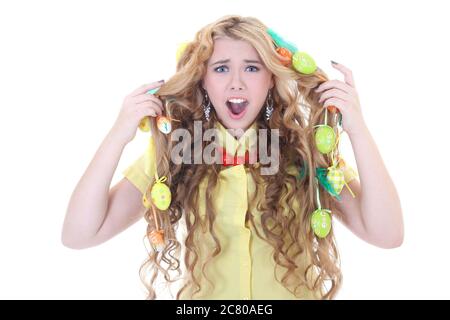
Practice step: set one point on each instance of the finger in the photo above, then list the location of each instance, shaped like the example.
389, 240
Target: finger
147, 97
152, 105
348, 75
144, 88
334, 84
334, 93
151, 113
337, 102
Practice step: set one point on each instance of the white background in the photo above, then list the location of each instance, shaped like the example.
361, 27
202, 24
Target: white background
66, 66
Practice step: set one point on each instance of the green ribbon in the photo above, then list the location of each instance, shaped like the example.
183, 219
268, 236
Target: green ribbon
321, 175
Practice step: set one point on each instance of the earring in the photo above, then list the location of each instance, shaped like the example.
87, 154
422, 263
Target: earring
269, 107
206, 106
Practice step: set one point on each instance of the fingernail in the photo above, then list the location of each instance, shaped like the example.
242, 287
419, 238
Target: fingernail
333, 62
161, 81
152, 91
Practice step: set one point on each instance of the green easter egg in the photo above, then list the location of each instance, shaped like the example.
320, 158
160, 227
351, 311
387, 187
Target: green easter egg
325, 138
303, 63
336, 178
321, 222
161, 195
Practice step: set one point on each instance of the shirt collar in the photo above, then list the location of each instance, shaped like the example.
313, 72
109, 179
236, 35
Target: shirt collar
248, 141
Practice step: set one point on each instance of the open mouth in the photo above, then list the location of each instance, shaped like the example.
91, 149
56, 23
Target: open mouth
237, 107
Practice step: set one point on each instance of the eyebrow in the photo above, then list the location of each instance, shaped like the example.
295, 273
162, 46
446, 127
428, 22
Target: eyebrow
228, 60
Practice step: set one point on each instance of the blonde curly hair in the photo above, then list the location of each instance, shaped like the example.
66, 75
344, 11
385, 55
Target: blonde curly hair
296, 112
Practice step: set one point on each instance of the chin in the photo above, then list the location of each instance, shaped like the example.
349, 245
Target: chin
237, 124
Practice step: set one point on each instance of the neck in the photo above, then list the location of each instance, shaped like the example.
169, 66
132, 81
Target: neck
237, 133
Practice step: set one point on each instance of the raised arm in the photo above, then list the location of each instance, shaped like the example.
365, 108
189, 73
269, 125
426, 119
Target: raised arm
95, 213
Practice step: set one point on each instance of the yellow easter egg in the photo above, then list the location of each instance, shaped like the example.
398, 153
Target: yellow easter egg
144, 125
181, 49
335, 177
161, 195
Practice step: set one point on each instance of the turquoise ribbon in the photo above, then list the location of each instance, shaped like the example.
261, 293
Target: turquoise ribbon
321, 175
281, 43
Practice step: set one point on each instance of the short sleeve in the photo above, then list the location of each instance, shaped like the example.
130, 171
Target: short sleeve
139, 173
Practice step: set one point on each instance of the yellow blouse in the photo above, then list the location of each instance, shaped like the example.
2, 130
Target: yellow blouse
245, 267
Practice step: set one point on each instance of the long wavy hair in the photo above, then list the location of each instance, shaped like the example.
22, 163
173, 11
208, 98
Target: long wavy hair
296, 112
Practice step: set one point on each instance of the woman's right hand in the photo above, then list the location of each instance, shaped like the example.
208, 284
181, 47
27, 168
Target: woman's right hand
136, 106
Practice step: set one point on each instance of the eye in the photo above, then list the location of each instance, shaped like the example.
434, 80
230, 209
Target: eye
216, 69
256, 68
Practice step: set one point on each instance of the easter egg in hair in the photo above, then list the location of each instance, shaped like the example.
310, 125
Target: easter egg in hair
161, 195
321, 222
325, 138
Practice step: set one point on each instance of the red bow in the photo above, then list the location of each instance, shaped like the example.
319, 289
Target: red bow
229, 160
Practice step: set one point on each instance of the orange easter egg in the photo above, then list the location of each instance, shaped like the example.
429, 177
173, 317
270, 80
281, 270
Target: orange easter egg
332, 109
285, 53
157, 240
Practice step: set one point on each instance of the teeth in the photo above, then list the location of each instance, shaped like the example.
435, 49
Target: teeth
237, 100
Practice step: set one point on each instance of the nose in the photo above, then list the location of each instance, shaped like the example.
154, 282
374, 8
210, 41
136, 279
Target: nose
236, 82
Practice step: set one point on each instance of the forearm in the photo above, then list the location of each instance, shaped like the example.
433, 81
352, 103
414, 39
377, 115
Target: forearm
89, 201
380, 204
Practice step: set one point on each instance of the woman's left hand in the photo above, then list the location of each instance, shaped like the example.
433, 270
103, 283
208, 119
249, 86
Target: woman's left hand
343, 96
